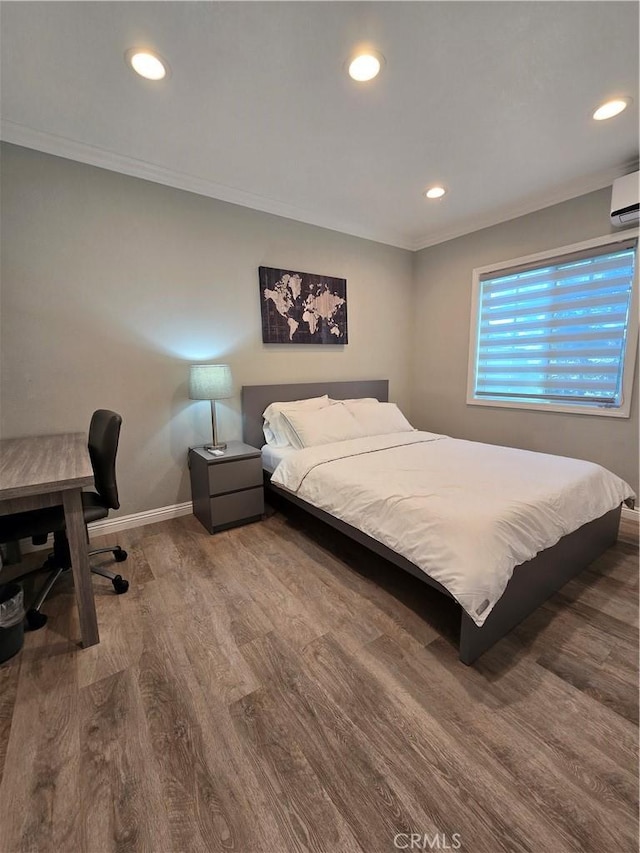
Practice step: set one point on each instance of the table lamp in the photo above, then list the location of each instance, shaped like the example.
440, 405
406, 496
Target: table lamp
211, 382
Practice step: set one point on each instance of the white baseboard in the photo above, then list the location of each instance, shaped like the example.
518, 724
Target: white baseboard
123, 522
164, 513
138, 519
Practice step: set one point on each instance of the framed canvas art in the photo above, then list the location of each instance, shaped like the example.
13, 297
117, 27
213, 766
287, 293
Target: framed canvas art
302, 307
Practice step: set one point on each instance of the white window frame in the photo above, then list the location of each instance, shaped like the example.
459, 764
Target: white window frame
581, 408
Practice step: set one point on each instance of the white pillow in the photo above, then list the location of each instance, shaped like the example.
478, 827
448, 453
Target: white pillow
379, 418
356, 401
276, 429
323, 426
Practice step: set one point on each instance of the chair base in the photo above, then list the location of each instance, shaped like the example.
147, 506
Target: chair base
59, 562
119, 554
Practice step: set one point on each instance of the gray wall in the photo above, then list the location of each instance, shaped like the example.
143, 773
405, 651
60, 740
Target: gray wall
112, 285
442, 307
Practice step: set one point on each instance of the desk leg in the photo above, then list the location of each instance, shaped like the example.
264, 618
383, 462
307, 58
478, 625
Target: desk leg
77, 536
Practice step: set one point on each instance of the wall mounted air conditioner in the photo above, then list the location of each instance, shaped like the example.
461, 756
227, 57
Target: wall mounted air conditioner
625, 200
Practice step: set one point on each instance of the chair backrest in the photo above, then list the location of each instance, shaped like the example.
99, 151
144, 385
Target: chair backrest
104, 433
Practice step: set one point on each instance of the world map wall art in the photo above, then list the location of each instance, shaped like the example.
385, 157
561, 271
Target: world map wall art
302, 308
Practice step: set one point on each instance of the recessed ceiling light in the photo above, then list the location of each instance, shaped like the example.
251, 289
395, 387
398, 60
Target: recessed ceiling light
146, 63
611, 108
435, 192
365, 66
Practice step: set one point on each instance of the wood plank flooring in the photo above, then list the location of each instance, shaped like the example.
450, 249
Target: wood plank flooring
277, 689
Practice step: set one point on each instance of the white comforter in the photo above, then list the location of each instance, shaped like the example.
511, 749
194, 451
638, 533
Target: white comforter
465, 513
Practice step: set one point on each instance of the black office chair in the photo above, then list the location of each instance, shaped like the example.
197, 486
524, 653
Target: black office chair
104, 433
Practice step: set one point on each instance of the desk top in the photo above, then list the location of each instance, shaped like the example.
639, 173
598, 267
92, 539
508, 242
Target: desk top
38, 464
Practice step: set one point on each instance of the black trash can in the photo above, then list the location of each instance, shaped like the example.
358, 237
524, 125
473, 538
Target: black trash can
11, 620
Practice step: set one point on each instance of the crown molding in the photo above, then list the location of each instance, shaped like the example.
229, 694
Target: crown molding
60, 146
70, 149
564, 192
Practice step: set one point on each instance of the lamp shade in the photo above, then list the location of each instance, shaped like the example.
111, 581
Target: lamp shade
210, 382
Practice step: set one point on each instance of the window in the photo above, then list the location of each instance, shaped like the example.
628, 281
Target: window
558, 330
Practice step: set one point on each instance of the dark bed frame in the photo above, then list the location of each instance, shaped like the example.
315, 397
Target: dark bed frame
532, 582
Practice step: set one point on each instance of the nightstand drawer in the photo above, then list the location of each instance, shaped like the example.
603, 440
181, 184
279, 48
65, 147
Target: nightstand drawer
236, 507
235, 475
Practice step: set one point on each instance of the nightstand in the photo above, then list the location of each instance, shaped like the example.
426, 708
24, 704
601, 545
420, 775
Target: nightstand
226, 490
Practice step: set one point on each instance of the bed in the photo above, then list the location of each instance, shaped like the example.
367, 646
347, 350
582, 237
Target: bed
532, 581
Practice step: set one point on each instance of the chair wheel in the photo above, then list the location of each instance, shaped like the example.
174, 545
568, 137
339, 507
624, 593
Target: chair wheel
120, 555
120, 585
35, 619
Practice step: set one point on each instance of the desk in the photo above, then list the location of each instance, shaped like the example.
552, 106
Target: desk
49, 470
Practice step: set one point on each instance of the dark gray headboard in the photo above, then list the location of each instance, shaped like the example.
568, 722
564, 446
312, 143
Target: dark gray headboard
256, 398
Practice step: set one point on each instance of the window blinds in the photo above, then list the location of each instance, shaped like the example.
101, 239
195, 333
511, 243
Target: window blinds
556, 332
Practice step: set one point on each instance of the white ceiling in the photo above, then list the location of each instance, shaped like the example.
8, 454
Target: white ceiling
494, 99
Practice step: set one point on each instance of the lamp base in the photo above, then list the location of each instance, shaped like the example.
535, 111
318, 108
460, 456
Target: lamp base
212, 448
